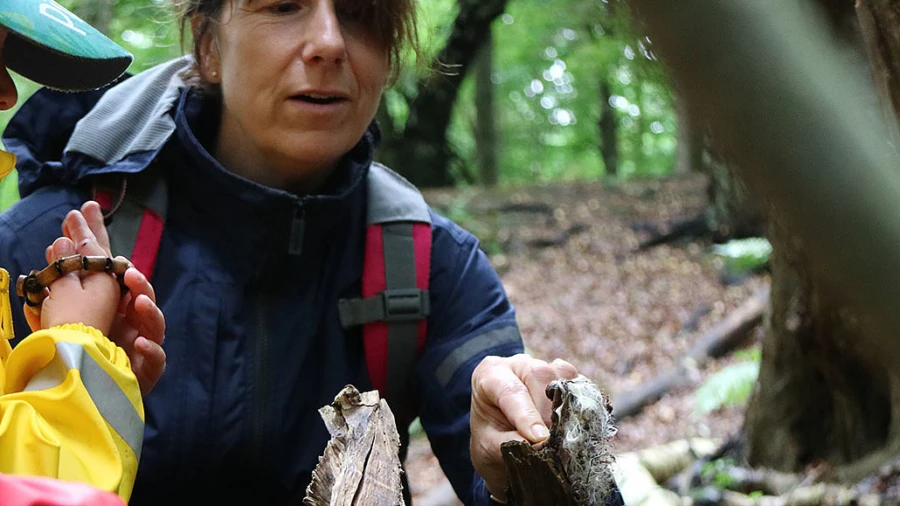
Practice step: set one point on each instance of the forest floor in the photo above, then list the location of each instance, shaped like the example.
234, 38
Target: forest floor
569, 257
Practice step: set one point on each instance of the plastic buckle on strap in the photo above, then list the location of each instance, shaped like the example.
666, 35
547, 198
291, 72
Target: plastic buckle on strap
405, 304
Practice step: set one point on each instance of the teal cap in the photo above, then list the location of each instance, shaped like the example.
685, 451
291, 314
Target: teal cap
50, 45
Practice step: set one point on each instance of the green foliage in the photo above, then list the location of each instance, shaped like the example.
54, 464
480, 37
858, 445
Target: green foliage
9, 188
720, 473
9, 191
549, 65
716, 472
145, 28
744, 255
731, 386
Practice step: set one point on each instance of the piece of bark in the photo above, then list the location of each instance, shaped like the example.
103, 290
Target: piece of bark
361, 464
571, 468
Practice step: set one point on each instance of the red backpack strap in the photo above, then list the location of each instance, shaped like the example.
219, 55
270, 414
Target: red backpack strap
395, 281
395, 303
135, 211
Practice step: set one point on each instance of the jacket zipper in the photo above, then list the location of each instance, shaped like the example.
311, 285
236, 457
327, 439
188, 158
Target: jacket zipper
260, 383
298, 229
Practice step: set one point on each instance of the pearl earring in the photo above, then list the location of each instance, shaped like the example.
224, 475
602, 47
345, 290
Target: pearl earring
214, 73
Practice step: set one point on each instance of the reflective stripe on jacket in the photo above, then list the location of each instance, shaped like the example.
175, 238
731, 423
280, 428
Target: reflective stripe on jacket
70, 408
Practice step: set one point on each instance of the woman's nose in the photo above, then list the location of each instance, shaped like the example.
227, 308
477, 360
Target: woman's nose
325, 39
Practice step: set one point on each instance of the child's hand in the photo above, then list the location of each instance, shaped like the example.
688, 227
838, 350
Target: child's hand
79, 297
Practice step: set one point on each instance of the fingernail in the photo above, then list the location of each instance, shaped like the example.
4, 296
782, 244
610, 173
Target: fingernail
540, 431
63, 247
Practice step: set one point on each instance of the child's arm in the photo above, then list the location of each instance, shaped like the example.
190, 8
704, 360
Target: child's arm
71, 405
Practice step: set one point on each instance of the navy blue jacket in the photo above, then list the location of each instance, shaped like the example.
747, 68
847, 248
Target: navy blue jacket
253, 340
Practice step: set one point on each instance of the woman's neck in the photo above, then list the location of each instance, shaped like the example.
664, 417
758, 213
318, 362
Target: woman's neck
238, 155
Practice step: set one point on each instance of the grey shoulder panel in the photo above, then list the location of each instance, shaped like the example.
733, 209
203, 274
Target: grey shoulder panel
392, 198
132, 116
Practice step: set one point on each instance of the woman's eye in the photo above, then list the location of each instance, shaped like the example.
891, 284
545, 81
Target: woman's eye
350, 10
285, 8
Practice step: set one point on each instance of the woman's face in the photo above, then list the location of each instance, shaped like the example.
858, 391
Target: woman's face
300, 81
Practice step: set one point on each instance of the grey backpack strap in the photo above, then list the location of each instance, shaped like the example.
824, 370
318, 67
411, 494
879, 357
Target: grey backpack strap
395, 205
400, 222
135, 207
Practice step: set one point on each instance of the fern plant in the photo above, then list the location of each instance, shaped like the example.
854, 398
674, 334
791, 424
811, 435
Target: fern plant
731, 386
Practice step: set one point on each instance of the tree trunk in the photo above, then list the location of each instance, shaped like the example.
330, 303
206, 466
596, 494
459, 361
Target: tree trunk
879, 21
817, 398
689, 142
426, 155
833, 402
485, 122
638, 135
608, 125
733, 212
782, 103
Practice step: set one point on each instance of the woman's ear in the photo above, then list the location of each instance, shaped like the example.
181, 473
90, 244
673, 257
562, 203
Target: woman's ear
209, 63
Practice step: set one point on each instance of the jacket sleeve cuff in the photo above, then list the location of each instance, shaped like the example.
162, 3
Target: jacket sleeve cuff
480, 494
80, 327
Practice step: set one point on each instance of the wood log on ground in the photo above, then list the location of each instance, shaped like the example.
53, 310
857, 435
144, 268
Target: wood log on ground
573, 467
698, 226
361, 464
705, 474
719, 340
815, 495
667, 460
639, 474
559, 239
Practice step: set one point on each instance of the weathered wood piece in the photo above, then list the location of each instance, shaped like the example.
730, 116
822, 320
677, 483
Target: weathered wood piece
361, 464
572, 468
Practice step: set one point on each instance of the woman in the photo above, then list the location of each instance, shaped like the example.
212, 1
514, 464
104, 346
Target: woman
265, 145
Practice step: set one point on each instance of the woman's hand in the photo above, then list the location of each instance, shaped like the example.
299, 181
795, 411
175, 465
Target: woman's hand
140, 330
509, 403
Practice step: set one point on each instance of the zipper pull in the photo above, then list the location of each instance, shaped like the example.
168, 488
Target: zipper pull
298, 229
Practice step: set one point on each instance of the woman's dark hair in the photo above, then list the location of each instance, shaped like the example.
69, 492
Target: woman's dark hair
393, 23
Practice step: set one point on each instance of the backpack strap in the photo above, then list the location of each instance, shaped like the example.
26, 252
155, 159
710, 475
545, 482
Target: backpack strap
135, 210
394, 306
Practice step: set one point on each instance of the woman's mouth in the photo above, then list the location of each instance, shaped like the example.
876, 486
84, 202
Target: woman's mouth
319, 99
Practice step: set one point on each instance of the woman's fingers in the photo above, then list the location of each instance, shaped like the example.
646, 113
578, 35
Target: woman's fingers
93, 216
76, 228
151, 363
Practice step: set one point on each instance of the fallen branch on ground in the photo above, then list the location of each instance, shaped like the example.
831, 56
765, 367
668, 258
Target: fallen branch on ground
698, 226
722, 338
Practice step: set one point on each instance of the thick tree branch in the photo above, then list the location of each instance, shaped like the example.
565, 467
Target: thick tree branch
426, 154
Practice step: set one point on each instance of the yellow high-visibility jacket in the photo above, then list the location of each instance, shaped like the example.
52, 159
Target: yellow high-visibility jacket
70, 408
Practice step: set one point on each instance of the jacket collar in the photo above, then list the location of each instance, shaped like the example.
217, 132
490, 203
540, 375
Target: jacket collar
196, 120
